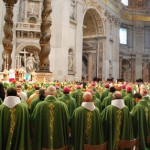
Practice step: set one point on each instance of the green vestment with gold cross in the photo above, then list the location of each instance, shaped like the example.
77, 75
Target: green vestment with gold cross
117, 125
14, 127
86, 127
50, 124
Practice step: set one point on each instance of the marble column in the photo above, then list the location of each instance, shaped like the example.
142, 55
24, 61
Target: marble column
120, 68
132, 68
100, 58
145, 73
45, 36
39, 20
8, 34
89, 66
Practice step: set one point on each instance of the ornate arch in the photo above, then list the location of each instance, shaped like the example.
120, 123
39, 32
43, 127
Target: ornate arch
23, 45
96, 15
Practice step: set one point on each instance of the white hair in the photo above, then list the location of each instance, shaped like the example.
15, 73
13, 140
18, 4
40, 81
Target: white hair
51, 90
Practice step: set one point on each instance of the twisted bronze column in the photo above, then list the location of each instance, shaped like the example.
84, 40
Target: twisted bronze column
8, 34
45, 36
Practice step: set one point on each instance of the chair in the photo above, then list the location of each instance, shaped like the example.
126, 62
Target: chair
128, 144
95, 147
64, 148
148, 140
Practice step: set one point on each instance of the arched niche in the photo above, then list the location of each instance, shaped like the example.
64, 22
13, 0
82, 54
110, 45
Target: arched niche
92, 30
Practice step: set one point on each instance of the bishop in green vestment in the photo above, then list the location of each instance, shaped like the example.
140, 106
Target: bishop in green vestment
117, 122
96, 101
86, 125
78, 95
68, 100
105, 92
107, 100
50, 120
141, 121
123, 90
128, 99
14, 123
40, 98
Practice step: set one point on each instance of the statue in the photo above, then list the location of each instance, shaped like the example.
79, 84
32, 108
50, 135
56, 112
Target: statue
70, 61
73, 11
110, 69
31, 62
36, 56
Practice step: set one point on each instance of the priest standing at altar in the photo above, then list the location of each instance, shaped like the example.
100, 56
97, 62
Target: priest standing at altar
11, 74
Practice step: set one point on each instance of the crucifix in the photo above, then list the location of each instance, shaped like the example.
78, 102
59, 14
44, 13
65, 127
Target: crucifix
24, 52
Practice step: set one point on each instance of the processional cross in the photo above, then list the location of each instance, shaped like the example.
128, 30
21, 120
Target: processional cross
24, 52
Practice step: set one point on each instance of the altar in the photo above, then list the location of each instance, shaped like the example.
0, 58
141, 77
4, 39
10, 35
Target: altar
26, 69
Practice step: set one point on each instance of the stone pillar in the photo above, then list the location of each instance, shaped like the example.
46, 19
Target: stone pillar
145, 72
45, 36
132, 68
8, 34
89, 66
120, 68
25, 10
100, 59
39, 20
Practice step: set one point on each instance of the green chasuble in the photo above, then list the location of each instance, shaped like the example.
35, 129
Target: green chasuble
78, 96
123, 92
97, 93
86, 127
117, 125
70, 102
50, 123
107, 101
33, 104
59, 93
30, 92
104, 94
97, 102
141, 123
14, 127
129, 101
1, 101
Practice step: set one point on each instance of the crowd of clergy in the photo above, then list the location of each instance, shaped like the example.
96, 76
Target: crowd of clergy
74, 116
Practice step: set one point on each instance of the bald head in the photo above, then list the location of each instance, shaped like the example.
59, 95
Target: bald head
117, 95
87, 97
51, 90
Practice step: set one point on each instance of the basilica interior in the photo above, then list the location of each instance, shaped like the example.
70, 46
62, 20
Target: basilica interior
76, 39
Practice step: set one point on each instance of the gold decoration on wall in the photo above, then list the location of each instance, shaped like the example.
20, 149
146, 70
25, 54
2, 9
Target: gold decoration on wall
136, 17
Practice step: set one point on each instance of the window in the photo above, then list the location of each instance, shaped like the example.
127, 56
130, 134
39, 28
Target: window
123, 35
125, 2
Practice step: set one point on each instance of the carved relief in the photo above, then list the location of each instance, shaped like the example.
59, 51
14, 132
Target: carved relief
71, 65
33, 9
100, 62
73, 10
